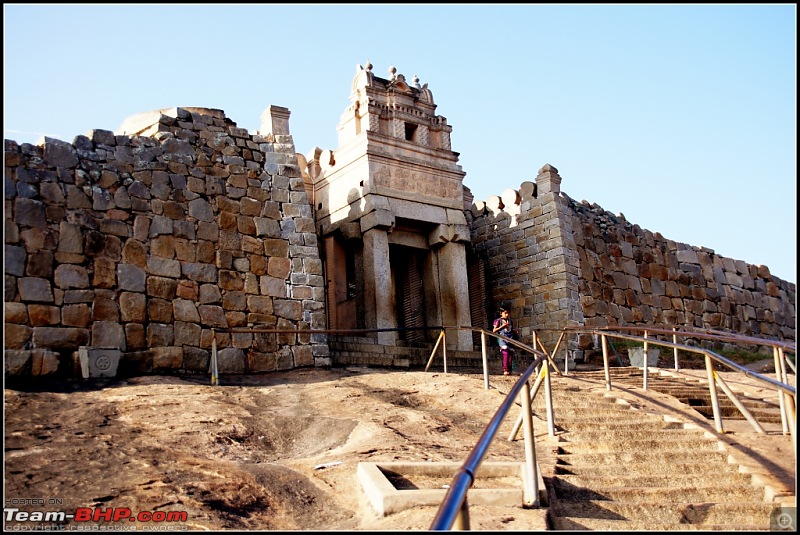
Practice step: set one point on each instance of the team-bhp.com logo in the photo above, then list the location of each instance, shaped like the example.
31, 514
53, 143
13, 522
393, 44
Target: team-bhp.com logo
93, 519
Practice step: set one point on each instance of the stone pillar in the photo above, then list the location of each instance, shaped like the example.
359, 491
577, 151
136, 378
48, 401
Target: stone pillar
548, 180
454, 291
378, 302
275, 121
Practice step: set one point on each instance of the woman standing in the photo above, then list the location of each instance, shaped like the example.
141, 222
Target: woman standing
504, 326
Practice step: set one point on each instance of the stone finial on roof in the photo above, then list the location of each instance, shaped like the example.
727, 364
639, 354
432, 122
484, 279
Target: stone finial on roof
363, 78
425, 94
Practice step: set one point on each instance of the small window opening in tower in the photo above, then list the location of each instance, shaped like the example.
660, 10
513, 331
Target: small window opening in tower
411, 130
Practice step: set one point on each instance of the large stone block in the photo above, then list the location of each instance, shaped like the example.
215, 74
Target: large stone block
169, 357
17, 362
108, 334
35, 289
230, 360
44, 362
59, 338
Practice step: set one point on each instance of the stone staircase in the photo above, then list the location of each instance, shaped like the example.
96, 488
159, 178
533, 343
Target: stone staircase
694, 394
617, 468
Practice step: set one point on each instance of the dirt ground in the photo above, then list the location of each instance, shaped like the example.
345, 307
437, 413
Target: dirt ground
271, 452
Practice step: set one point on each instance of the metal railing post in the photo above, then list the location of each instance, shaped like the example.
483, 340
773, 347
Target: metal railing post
645, 363
461, 522
530, 493
214, 371
675, 349
536, 384
605, 361
444, 350
732, 396
484, 356
552, 356
548, 399
789, 414
780, 376
433, 353
712, 390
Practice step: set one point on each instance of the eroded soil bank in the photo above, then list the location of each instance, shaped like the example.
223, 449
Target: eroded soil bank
271, 452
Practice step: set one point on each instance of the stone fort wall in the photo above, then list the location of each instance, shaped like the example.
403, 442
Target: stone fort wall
560, 262
150, 243
147, 244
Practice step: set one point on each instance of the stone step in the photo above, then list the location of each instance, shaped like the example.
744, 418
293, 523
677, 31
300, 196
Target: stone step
691, 493
577, 396
698, 514
732, 413
609, 412
591, 524
694, 398
577, 425
624, 419
653, 445
622, 470
663, 480
646, 469
614, 372
683, 391
727, 404
623, 458
634, 433
584, 404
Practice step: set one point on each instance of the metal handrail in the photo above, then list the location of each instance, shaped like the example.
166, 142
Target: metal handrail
786, 392
269, 330
454, 509
454, 504
691, 332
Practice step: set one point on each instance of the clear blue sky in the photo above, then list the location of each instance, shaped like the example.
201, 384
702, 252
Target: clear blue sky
681, 117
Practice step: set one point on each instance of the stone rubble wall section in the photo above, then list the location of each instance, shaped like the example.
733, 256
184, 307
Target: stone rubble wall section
146, 244
632, 276
559, 262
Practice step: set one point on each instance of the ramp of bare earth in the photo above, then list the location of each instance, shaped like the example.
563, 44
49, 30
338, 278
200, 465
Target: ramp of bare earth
269, 452
282, 451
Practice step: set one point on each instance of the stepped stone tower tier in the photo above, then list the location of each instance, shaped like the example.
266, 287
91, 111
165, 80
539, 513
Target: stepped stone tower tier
390, 200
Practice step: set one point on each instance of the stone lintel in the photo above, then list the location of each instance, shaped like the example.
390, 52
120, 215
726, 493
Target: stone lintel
378, 219
351, 230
